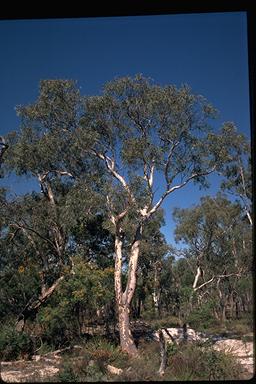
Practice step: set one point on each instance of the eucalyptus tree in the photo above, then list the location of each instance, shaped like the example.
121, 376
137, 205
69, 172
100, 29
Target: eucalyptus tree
44, 149
153, 140
218, 249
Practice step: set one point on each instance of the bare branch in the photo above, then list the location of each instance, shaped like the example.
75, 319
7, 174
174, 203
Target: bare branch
205, 283
110, 164
216, 277
198, 274
25, 228
115, 219
62, 173
168, 162
167, 192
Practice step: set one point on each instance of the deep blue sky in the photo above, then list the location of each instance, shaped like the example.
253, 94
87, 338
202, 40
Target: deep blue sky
206, 51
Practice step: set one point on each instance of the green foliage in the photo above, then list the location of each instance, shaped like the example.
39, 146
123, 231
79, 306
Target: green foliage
212, 229
102, 349
67, 375
165, 322
171, 349
43, 143
91, 363
19, 281
202, 318
87, 290
192, 362
241, 326
13, 344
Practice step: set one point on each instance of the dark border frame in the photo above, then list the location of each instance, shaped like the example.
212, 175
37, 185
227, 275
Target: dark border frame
158, 7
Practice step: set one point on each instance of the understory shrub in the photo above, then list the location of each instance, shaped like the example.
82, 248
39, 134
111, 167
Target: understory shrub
165, 322
185, 362
197, 362
77, 298
90, 364
202, 318
14, 344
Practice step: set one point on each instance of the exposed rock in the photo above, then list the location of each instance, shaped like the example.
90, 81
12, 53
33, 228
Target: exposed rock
28, 371
36, 357
179, 334
113, 370
234, 346
40, 367
243, 351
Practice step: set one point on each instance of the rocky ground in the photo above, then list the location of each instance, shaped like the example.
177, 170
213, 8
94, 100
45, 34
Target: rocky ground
241, 350
39, 369
44, 367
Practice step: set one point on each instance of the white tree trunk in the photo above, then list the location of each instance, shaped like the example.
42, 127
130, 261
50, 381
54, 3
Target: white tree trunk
123, 299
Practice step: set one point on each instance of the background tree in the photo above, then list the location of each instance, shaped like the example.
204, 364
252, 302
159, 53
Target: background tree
218, 250
238, 179
154, 250
44, 150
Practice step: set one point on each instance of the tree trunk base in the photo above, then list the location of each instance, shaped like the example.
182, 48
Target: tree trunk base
126, 339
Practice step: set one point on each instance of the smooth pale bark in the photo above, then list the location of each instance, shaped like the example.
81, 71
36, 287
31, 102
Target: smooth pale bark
156, 298
118, 269
163, 353
198, 274
126, 339
156, 291
248, 214
123, 299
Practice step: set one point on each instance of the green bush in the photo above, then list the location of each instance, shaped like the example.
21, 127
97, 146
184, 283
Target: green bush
95, 373
165, 322
14, 344
193, 362
202, 318
88, 290
104, 352
82, 370
91, 361
67, 374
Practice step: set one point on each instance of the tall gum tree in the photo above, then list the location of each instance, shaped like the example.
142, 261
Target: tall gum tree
153, 140
44, 150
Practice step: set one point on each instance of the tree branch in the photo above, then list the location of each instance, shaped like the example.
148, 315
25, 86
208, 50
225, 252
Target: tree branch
168, 191
198, 274
110, 164
202, 285
168, 162
216, 277
27, 228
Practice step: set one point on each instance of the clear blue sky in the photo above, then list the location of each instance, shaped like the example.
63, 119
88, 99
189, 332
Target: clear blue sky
206, 51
